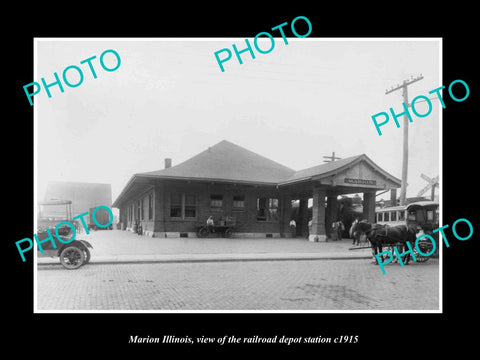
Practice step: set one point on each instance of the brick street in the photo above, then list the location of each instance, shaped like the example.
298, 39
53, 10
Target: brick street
354, 284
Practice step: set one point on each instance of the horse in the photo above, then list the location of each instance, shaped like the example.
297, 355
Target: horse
385, 235
355, 234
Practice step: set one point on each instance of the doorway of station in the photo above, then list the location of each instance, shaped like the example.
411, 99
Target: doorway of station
348, 207
302, 214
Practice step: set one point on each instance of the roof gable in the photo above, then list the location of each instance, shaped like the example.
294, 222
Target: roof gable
323, 169
351, 171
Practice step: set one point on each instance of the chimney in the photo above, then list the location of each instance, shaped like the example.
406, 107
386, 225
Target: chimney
168, 163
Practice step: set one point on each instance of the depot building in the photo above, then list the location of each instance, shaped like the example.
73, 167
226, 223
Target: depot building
227, 181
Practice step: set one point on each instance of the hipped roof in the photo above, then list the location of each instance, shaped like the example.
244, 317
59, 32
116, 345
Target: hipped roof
227, 162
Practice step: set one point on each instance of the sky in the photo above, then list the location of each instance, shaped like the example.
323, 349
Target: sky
169, 98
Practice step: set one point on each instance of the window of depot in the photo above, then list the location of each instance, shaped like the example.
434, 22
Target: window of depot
176, 205
267, 209
183, 206
273, 209
150, 207
216, 202
239, 202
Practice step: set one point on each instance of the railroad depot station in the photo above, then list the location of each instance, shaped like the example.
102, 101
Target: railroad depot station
227, 181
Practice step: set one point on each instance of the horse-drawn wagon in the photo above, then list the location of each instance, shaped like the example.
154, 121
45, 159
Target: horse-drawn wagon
410, 222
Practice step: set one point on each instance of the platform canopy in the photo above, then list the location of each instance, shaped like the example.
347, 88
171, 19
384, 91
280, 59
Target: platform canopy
353, 174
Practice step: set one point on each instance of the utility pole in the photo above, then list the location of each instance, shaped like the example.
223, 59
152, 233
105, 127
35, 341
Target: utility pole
403, 190
332, 158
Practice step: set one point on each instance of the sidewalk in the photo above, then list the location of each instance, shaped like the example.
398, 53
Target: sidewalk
116, 246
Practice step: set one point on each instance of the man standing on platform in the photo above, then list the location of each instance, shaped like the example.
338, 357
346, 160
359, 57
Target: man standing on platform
293, 228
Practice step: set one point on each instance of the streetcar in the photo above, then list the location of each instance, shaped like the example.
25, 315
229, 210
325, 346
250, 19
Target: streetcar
423, 215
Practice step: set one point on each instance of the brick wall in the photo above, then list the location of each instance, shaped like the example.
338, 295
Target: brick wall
246, 218
138, 209
182, 192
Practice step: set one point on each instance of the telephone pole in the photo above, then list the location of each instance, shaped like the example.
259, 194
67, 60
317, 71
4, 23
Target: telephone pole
403, 190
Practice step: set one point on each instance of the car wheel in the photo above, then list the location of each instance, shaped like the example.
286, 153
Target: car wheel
72, 257
86, 252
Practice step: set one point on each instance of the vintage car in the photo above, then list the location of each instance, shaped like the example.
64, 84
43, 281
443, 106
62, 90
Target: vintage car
51, 214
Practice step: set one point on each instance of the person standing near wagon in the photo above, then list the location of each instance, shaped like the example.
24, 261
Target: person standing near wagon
293, 228
340, 229
334, 233
310, 222
210, 224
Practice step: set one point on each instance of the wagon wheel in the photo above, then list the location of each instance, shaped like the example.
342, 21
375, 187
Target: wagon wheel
202, 232
72, 257
419, 257
390, 248
228, 232
425, 247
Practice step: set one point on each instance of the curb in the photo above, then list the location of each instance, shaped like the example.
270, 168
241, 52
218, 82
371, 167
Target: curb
200, 258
